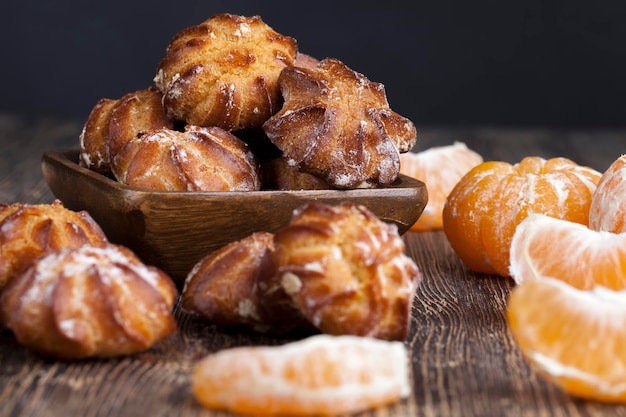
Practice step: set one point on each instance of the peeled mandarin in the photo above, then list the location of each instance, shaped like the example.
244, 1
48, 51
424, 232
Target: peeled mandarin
484, 208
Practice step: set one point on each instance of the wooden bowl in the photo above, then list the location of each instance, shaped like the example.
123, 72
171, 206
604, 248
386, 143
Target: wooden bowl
174, 230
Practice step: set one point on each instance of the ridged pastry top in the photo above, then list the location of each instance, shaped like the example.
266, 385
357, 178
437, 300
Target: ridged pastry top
337, 125
229, 287
28, 232
135, 113
224, 71
222, 286
94, 137
346, 271
89, 302
198, 159
114, 122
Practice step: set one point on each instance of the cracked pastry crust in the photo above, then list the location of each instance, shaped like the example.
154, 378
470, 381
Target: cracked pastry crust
337, 125
229, 287
89, 302
28, 232
346, 271
198, 159
224, 71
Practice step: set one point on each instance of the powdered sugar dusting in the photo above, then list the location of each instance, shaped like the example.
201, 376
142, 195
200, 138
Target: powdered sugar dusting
291, 283
560, 188
344, 179
78, 262
46, 274
315, 266
247, 308
158, 78
243, 30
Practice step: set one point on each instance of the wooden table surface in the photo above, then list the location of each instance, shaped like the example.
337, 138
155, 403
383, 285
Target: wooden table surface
464, 360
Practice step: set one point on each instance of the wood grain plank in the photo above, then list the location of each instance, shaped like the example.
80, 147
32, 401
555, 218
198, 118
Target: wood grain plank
464, 360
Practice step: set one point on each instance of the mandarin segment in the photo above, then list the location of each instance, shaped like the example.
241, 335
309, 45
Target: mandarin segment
319, 375
484, 208
440, 168
608, 205
571, 252
575, 339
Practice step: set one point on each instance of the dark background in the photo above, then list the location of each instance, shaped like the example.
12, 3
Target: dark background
443, 63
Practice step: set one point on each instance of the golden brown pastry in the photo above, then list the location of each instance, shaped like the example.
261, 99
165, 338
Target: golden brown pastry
229, 287
346, 271
279, 175
135, 113
337, 125
28, 232
198, 159
89, 302
224, 71
112, 123
93, 139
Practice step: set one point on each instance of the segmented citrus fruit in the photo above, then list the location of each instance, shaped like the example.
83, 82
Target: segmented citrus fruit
319, 375
482, 211
571, 252
608, 205
574, 338
440, 168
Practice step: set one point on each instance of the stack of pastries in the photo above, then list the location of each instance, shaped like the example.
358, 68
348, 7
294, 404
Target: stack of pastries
335, 269
67, 292
236, 78
235, 106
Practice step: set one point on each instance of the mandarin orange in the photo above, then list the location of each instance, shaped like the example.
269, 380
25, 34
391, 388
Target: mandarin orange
584, 258
440, 168
482, 211
573, 338
608, 205
319, 375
